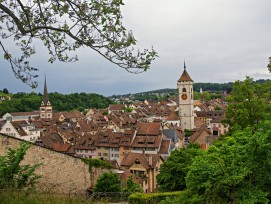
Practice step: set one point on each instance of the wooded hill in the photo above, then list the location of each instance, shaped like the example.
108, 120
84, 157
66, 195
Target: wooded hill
24, 102
163, 93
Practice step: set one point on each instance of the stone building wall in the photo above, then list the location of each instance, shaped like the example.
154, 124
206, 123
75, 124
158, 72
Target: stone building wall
60, 173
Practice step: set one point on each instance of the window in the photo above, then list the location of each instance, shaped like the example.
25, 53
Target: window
184, 89
137, 162
105, 154
7, 129
86, 151
136, 148
117, 155
99, 154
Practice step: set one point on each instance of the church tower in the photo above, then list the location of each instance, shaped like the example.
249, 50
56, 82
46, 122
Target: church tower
46, 110
186, 103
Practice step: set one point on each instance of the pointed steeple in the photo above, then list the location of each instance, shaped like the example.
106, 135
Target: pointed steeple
45, 100
185, 76
184, 66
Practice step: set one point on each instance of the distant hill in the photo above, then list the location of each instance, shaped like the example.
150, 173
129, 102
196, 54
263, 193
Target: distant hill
158, 91
163, 93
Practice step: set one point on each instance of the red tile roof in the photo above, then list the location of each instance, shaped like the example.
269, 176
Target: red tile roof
164, 148
146, 160
148, 128
61, 147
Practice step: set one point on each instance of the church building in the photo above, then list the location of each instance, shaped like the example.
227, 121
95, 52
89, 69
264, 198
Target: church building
46, 111
186, 103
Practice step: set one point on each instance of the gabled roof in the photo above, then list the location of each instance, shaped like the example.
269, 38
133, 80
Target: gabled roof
118, 107
148, 128
165, 145
18, 126
50, 138
173, 116
147, 141
107, 138
198, 132
146, 160
33, 113
87, 142
73, 114
61, 147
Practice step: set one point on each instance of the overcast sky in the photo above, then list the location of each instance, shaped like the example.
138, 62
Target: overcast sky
220, 40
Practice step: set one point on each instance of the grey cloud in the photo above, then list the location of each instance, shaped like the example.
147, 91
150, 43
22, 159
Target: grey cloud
221, 41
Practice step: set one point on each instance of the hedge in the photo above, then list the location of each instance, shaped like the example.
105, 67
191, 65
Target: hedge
151, 198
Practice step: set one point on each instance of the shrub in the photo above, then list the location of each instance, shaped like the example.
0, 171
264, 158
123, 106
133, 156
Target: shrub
151, 198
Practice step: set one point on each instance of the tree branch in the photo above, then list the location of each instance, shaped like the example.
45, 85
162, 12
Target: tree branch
15, 19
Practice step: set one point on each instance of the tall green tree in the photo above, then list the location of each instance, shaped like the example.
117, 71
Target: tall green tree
15, 175
173, 172
248, 104
5, 91
65, 26
108, 182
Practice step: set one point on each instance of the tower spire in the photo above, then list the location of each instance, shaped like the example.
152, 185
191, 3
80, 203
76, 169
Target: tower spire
46, 110
45, 94
184, 66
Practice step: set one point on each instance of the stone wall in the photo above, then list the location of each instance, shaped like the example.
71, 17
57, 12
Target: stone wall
60, 173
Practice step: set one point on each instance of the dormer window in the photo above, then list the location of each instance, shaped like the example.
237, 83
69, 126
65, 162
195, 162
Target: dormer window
137, 161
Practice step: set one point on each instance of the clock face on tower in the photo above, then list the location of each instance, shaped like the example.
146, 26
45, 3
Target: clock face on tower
184, 96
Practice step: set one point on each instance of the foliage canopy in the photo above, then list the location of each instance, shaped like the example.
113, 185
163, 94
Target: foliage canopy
26, 102
174, 170
248, 103
236, 169
108, 182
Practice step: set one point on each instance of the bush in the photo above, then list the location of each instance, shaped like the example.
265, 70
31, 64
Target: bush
152, 198
108, 182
